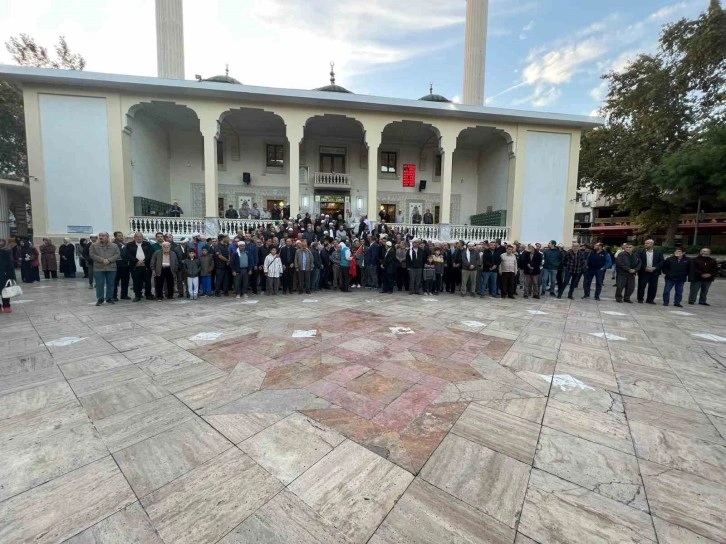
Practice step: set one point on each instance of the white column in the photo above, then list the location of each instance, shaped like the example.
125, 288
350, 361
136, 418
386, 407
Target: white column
448, 145
475, 45
210, 133
294, 136
373, 139
170, 39
4, 213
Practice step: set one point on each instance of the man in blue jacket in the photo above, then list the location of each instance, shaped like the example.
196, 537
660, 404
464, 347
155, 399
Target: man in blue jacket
252, 260
597, 262
552, 260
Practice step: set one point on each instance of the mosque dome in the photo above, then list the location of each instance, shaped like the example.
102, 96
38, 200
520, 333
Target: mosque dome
226, 78
333, 88
431, 97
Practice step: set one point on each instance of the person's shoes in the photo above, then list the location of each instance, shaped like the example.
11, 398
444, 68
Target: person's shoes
570, 297
525, 296
689, 302
462, 294
149, 298
552, 293
628, 301
649, 302
704, 303
110, 301
618, 301
585, 296
640, 302
597, 298
125, 298
99, 302
666, 304
115, 299
245, 296
137, 299
8, 310
217, 295
236, 296
511, 296
90, 286
559, 296
676, 305
473, 295
536, 296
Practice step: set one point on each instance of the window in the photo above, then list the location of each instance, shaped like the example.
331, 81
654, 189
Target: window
389, 160
582, 218
275, 155
332, 160
437, 169
220, 152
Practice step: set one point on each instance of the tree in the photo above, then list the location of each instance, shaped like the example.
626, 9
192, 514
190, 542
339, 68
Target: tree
656, 105
24, 50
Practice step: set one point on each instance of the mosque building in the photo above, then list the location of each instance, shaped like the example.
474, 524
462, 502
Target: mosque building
113, 152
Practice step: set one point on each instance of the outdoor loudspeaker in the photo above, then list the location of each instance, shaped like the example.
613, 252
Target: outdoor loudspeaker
246, 178
422, 185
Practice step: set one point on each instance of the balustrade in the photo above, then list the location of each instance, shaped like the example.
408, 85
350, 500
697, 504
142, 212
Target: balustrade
331, 179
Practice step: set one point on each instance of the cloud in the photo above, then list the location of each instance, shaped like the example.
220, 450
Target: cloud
529, 26
506, 8
668, 12
599, 93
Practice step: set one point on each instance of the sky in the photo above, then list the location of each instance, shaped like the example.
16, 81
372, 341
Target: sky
544, 55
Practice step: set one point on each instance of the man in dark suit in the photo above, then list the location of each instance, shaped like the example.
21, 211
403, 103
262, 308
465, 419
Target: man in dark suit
287, 256
414, 263
470, 264
651, 263
138, 254
627, 265
389, 266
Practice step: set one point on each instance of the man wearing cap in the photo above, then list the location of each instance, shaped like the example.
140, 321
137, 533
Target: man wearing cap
470, 264
287, 257
389, 266
138, 255
303, 265
241, 271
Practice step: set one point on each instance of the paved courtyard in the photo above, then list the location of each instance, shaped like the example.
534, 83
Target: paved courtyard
351, 418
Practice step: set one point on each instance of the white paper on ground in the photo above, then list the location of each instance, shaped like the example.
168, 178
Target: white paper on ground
473, 324
610, 312
65, 341
537, 312
566, 382
309, 300
202, 336
607, 336
677, 312
430, 299
712, 337
305, 334
25, 301
400, 330
250, 301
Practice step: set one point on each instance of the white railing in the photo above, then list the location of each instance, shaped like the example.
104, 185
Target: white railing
328, 179
248, 226
185, 227
178, 226
469, 233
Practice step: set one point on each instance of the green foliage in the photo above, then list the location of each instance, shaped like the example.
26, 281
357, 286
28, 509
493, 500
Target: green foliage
658, 105
24, 50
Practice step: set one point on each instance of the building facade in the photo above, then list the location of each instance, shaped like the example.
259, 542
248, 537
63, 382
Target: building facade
103, 149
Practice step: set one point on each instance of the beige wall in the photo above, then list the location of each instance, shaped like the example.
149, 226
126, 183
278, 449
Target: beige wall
364, 183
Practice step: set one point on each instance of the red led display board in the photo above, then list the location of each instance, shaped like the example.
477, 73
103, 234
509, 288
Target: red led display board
409, 175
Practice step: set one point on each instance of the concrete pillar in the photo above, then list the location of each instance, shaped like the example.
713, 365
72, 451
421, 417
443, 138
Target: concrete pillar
4, 213
373, 139
448, 145
170, 39
210, 133
475, 45
294, 136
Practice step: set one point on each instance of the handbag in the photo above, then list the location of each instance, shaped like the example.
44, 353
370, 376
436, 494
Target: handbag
11, 290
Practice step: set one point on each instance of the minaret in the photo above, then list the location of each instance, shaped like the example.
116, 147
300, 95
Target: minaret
475, 46
170, 39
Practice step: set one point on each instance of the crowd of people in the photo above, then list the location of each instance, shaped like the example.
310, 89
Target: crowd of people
322, 253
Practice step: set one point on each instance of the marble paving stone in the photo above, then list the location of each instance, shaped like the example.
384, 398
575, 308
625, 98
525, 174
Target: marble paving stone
243, 380
290, 447
92, 365
720, 424
379, 386
656, 390
152, 463
606, 471
209, 501
65, 506
274, 401
35, 398
130, 525
285, 519
498, 431
672, 418
406, 408
530, 409
686, 500
353, 489
47, 421
100, 381
685, 453
605, 428
521, 539
26, 380
596, 399
532, 363
239, 427
427, 515
188, 376
673, 534
35, 459
556, 510
121, 397
490, 481
125, 429
25, 362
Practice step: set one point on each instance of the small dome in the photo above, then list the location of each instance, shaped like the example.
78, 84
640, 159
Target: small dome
431, 97
222, 79
333, 88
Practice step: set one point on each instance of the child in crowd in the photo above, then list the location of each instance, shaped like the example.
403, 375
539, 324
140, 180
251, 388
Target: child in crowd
273, 271
439, 268
429, 275
193, 268
207, 268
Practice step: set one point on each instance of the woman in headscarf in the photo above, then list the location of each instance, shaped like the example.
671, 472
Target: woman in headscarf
7, 272
67, 252
29, 262
48, 260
